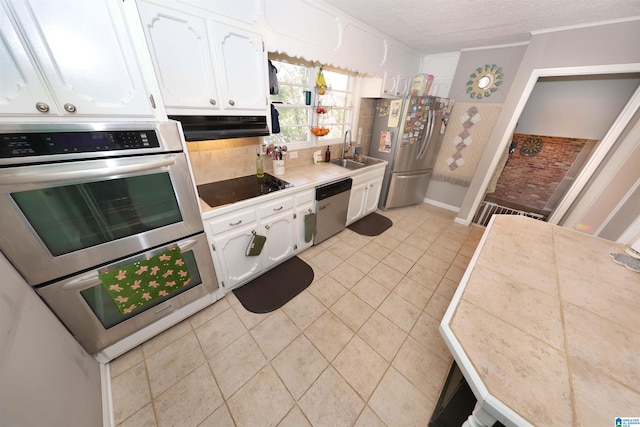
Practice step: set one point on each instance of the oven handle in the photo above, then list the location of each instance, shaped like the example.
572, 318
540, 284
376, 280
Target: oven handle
84, 173
91, 278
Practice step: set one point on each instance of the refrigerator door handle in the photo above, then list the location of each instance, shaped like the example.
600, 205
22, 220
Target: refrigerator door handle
430, 124
425, 140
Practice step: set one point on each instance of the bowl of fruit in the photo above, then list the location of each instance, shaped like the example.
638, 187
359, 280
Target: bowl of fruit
319, 131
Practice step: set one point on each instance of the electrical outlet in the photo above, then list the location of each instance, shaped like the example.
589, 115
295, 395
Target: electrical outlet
293, 155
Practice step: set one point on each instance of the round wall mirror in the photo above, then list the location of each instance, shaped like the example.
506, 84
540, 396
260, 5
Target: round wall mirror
484, 81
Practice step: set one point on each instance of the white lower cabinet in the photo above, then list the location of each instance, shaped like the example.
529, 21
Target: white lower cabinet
277, 224
229, 236
230, 233
365, 194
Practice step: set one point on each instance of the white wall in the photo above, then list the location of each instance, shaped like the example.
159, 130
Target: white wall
46, 378
576, 107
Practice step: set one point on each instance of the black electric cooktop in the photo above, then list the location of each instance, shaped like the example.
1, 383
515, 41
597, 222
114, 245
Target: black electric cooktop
237, 189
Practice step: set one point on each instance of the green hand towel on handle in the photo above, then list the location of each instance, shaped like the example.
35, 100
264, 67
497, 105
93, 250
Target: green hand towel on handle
309, 226
255, 244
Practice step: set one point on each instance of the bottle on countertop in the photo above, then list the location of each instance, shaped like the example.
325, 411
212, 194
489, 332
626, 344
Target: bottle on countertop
327, 155
259, 166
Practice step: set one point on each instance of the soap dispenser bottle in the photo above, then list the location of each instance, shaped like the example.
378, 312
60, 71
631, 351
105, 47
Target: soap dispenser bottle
259, 166
327, 155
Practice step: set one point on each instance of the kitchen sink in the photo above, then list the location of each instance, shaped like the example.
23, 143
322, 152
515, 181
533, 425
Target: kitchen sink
356, 164
348, 163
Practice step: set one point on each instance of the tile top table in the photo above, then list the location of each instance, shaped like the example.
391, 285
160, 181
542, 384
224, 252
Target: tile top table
546, 327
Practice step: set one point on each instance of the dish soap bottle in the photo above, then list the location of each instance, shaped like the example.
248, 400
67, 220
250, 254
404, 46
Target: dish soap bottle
259, 166
327, 155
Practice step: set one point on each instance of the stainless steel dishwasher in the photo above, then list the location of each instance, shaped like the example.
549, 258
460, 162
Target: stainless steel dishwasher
332, 203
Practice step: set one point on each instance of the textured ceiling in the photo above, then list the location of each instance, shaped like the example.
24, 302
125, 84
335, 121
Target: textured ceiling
437, 26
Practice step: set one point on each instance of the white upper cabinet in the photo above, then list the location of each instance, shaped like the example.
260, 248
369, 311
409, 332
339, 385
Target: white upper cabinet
86, 56
22, 90
204, 65
182, 56
243, 63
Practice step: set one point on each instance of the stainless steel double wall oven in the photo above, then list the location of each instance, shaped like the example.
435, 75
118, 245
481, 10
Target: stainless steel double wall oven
79, 201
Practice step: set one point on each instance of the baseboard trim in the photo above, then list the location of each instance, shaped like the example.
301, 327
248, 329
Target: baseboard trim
441, 205
107, 397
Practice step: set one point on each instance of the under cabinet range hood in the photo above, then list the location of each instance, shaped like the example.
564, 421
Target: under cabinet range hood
200, 128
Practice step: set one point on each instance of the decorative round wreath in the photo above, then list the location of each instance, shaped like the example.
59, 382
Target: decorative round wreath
484, 81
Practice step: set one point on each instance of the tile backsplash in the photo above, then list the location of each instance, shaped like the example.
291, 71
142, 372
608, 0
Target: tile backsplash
230, 158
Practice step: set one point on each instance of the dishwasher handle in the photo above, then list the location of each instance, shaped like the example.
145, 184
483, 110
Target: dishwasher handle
329, 190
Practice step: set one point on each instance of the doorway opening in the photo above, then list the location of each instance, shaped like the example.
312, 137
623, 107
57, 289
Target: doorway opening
560, 126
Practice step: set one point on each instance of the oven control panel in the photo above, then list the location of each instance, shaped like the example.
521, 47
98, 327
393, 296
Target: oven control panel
48, 143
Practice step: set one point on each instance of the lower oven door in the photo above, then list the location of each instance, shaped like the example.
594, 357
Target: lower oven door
62, 218
89, 309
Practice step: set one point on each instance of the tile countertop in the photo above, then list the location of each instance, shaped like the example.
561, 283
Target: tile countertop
302, 177
544, 326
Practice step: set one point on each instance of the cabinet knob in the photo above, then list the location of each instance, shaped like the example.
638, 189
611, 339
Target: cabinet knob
42, 107
267, 226
70, 107
232, 102
212, 101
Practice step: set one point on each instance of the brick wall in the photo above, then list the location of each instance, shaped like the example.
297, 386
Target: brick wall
530, 181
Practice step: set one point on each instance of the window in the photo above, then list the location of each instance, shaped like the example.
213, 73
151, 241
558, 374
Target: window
296, 118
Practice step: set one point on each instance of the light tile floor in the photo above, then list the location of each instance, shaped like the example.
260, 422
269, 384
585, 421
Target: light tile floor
359, 347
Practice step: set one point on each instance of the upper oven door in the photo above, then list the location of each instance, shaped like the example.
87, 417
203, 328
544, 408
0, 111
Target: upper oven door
59, 219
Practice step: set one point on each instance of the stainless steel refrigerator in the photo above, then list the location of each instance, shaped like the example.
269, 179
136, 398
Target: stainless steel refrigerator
408, 133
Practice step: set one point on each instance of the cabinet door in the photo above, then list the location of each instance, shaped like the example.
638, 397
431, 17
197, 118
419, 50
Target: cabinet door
404, 83
84, 51
182, 57
244, 64
279, 230
373, 195
390, 83
232, 265
22, 91
357, 202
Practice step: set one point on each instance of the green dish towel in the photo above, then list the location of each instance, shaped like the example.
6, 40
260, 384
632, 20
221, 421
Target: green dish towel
135, 285
309, 226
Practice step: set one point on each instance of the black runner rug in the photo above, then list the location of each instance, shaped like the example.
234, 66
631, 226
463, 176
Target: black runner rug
373, 224
276, 287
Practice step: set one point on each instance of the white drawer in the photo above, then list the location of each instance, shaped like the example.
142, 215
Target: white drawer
274, 207
305, 196
231, 220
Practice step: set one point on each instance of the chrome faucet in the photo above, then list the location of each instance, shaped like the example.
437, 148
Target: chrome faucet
344, 143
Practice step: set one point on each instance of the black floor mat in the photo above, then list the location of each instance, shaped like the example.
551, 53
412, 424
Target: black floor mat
373, 224
276, 287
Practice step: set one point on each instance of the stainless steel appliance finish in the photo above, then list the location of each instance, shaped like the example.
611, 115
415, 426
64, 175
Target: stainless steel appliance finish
73, 216
407, 133
79, 201
332, 203
78, 195
86, 309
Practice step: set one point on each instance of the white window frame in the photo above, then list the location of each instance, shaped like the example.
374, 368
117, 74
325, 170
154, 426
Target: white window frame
313, 140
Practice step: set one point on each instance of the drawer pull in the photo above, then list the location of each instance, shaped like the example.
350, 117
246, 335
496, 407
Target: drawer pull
278, 209
238, 222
